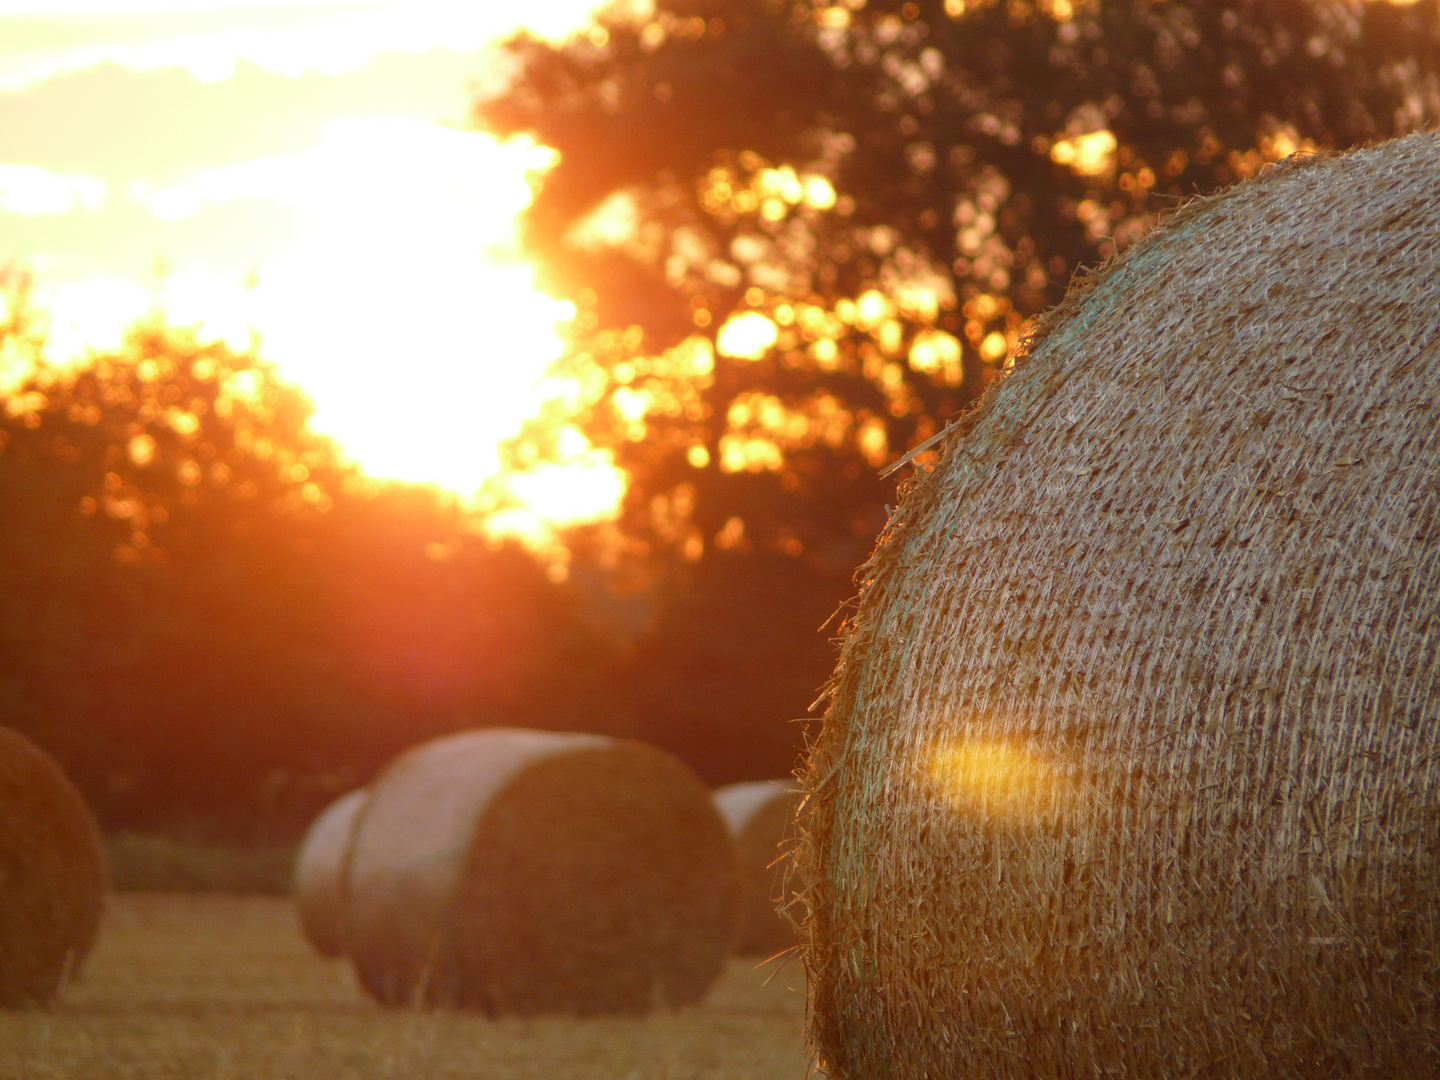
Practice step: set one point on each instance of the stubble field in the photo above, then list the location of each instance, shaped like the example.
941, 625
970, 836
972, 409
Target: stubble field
204, 987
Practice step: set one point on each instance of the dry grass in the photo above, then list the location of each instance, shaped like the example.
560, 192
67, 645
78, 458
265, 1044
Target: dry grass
210, 986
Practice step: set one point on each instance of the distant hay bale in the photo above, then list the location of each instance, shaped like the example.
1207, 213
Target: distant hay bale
1131, 766
759, 814
320, 864
533, 872
52, 875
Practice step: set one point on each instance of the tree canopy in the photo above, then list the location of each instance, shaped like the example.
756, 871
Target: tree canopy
212, 620
801, 237
805, 235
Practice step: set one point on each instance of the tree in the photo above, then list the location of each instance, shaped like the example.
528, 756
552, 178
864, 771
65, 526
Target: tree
803, 236
876, 197
213, 622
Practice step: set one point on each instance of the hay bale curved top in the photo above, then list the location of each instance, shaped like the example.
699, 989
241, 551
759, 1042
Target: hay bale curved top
1130, 765
759, 814
52, 875
531, 872
320, 865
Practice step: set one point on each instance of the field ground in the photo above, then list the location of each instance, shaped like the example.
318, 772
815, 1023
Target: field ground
204, 987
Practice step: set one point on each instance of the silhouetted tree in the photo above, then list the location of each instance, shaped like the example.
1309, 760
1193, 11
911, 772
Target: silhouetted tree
212, 621
898, 187
863, 203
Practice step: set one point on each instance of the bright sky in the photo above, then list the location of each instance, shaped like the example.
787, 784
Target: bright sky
299, 169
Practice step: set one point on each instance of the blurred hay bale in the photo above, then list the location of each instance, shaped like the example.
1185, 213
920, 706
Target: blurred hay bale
533, 872
320, 865
1131, 761
759, 814
52, 875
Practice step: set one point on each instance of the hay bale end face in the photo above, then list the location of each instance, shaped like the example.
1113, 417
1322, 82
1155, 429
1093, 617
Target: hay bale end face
52, 875
1131, 763
759, 814
531, 872
320, 868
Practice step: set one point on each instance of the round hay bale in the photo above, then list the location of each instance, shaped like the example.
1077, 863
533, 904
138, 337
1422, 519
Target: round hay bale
759, 814
1130, 766
52, 875
319, 884
533, 872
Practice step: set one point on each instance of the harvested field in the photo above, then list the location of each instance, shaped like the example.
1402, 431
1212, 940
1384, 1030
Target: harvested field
212, 986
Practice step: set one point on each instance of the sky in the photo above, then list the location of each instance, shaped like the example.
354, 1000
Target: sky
300, 174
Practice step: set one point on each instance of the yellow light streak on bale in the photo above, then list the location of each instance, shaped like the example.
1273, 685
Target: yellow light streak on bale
320, 869
52, 876
530, 872
759, 814
1132, 763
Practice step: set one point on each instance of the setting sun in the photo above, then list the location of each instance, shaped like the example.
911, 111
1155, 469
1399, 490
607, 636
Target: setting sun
350, 228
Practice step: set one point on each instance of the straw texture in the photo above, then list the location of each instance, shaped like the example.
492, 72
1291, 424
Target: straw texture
320, 866
533, 872
52, 875
1130, 766
759, 814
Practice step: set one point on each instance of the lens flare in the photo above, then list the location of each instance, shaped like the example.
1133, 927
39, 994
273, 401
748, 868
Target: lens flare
995, 778
748, 335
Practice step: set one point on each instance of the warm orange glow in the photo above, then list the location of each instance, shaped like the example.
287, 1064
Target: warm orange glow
747, 336
995, 777
585, 485
395, 296
938, 355
1276, 145
994, 347
772, 192
421, 355
762, 430
750, 453
1092, 154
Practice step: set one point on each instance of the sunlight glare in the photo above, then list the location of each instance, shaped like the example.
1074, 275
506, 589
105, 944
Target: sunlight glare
405, 311
30, 191
397, 297
87, 314
992, 777
1092, 154
748, 336
585, 486
408, 315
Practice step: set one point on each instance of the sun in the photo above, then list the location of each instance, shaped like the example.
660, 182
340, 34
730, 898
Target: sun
394, 292
406, 311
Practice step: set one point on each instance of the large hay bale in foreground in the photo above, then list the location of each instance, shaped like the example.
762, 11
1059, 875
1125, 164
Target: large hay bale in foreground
52, 875
533, 872
320, 866
759, 814
1130, 767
